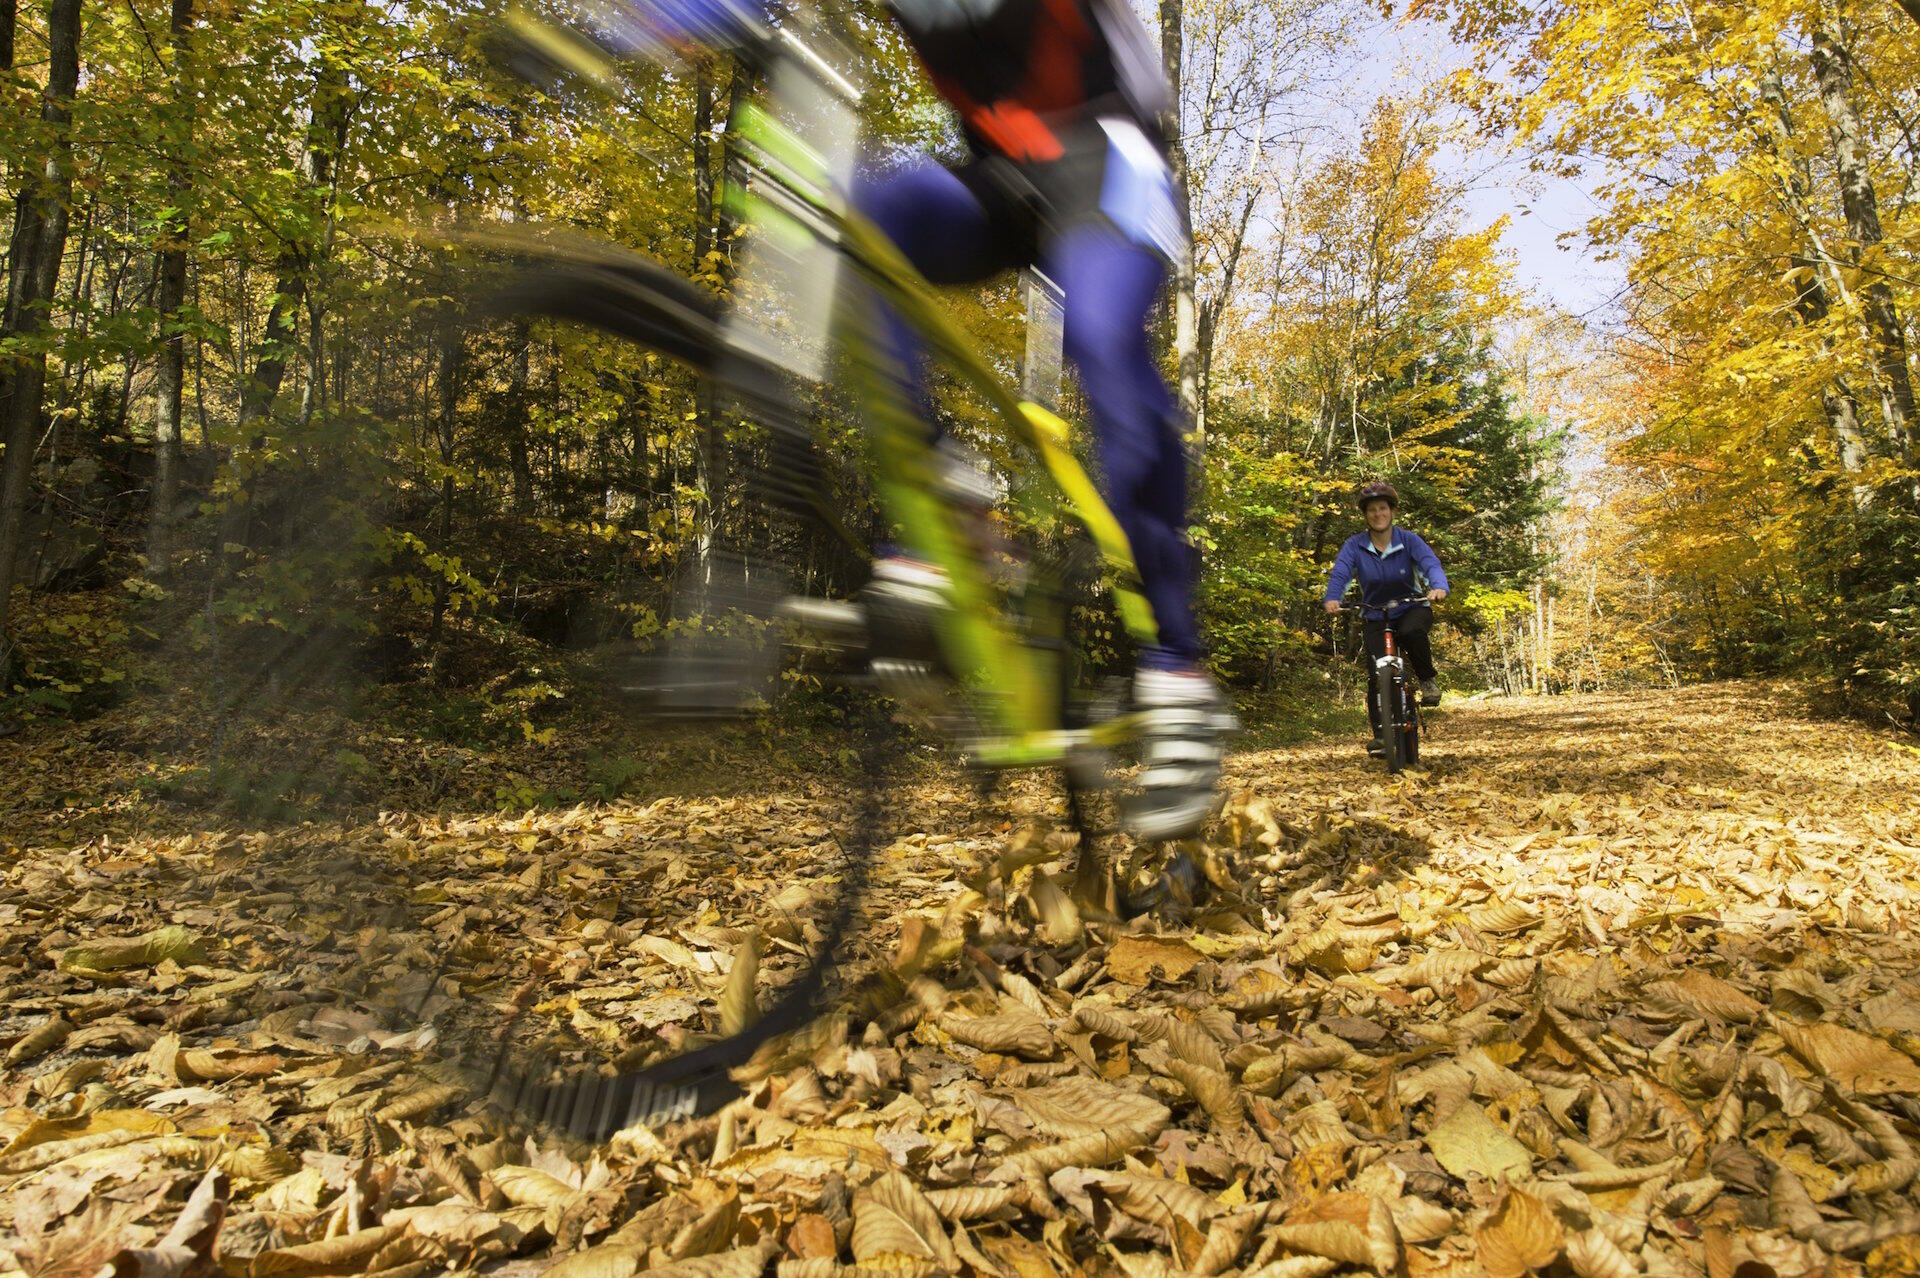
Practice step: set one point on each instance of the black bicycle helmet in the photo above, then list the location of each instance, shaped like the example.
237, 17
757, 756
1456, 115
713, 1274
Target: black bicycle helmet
1379, 490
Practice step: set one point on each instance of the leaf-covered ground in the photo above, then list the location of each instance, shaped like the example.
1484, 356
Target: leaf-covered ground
1618, 985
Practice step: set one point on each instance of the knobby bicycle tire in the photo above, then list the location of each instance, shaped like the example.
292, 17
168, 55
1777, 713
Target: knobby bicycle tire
1387, 690
1412, 696
646, 304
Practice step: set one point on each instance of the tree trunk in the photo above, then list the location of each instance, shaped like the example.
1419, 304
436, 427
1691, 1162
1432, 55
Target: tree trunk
1833, 69
1186, 311
38, 244
517, 458
326, 135
1812, 302
449, 387
173, 295
709, 476
9, 19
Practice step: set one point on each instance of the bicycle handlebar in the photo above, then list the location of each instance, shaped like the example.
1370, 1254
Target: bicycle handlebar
1389, 606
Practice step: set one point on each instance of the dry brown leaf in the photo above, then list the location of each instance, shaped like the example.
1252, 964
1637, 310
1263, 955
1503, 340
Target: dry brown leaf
1467, 1142
1520, 1235
606, 1261
1698, 993
1296, 1267
970, 1202
1594, 1255
1227, 1237
741, 1262
1091, 1018
709, 1231
345, 1254
1854, 1061
1060, 920
1505, 915
738, 1006
1442, 970
892, 1217
1078, 1106
1023, 1035
172, 943
39, 1040
418, 1102
531, 1187
1140, 959
1374, 1245
188, 1245
1212, 1089
811, 1237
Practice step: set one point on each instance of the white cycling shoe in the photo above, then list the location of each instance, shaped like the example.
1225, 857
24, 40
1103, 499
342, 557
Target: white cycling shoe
1183, 741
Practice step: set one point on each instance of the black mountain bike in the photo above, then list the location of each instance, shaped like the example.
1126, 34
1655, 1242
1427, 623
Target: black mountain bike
1399, 696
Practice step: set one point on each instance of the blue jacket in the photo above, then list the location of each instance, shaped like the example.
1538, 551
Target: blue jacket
1396, 573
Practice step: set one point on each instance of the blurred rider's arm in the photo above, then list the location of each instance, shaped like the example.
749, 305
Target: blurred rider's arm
1429, 565
1343, 569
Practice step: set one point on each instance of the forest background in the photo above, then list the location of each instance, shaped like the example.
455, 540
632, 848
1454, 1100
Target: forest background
242, 428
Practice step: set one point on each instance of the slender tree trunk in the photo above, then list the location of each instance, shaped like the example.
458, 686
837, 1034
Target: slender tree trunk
293, 268
1833, 69
39, 243
173, 295
709, 461
1186, 310
326, 135
1811, 300
448, 379
9, 19
517, 457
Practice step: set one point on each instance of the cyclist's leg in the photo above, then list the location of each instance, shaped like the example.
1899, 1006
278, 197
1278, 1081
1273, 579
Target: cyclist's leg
1110, 285
944, 228
1374, 636
1412, 637
951, 236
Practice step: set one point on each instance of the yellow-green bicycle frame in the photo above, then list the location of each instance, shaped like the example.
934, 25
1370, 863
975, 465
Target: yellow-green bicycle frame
790, 195
1017, 682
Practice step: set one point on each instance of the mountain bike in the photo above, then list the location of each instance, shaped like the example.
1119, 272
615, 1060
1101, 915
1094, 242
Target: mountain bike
1398, 694
992, 671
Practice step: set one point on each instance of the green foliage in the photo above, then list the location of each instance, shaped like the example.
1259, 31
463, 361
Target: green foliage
73, 661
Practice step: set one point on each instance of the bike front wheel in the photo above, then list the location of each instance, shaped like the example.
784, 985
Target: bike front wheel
1388, 689
628, 339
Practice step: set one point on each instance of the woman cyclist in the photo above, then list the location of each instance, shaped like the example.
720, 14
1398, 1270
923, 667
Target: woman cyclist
1061, 104
1391, 564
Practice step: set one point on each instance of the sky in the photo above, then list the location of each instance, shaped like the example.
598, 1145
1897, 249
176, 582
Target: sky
1565, 272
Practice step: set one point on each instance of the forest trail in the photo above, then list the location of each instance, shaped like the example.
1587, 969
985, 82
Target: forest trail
1628, 980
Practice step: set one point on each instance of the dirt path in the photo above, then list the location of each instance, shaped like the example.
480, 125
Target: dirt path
1624, 984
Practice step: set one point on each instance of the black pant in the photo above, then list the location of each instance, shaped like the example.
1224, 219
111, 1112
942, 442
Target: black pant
1410, 641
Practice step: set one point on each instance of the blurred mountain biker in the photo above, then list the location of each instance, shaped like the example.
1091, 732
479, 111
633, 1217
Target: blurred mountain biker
1391, 565
1061, 103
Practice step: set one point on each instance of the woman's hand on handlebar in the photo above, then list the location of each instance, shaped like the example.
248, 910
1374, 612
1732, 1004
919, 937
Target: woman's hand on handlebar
1333, 605
1436, 595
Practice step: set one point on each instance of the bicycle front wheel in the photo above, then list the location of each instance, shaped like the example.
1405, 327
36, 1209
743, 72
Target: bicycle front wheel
712, 475
1389, 688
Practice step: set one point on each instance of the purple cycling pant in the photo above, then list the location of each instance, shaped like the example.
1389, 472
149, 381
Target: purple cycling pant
954, 235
